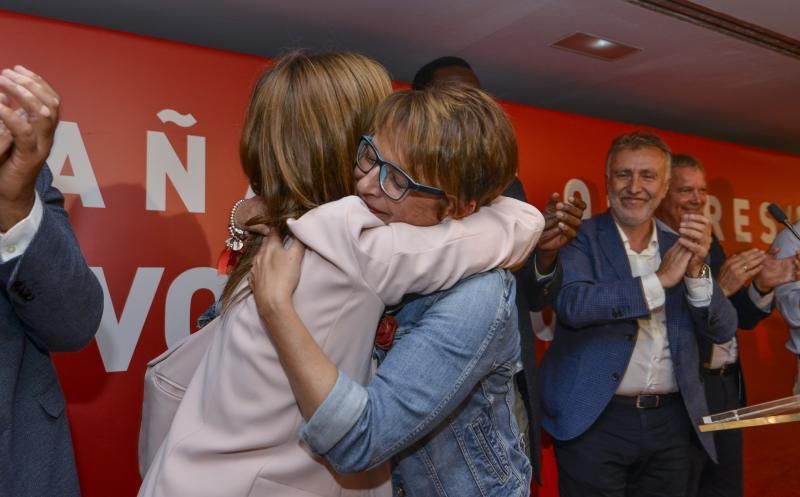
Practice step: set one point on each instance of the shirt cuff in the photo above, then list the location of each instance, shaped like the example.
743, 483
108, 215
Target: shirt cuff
653, 291
15, 241
763, 302
336, 416
699, 291
542, 277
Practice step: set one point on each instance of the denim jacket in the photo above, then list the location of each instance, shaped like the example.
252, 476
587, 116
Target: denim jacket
442, 401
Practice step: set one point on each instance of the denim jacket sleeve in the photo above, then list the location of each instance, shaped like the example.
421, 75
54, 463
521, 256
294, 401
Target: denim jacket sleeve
430, 370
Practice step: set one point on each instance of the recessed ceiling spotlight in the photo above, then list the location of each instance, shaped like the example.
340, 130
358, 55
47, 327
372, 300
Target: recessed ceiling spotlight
595, 46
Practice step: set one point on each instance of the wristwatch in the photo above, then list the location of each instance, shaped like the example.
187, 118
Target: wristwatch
705, 272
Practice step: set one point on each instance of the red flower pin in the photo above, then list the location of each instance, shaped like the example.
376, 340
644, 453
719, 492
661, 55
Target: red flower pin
385, 334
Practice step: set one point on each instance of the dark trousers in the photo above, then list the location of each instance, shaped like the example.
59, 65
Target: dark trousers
724, 479
629, 452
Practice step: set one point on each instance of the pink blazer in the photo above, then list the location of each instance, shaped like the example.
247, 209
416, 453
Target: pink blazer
235, 433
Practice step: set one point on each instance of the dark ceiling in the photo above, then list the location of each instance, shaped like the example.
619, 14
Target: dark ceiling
686, 78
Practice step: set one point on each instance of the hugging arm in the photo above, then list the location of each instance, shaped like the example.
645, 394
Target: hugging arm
397, 259
393, 260
430, 370
311, 374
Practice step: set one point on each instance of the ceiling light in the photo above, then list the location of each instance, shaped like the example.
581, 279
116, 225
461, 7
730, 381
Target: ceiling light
594, 46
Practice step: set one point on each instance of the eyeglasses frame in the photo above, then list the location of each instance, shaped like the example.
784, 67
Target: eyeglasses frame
382, 173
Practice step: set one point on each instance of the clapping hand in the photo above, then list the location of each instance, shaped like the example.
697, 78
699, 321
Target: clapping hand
763, 268
695, 236
776, 272
673, 265
562, 221
740, 268
25, 139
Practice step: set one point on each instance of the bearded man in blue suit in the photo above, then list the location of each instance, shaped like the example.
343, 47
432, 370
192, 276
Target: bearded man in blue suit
621, 393
50, 301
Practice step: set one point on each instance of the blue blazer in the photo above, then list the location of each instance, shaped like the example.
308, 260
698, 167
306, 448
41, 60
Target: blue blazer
49, 302
597, 310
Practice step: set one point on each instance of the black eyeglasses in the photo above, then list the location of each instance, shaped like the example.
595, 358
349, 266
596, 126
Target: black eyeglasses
395, 182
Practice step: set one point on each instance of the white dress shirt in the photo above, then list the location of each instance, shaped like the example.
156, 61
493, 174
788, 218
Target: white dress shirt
650, 369
15, 241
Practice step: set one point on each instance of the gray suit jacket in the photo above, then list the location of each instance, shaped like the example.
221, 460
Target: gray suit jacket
49, 302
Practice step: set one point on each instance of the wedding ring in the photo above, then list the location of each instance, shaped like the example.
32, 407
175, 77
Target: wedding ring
745, 268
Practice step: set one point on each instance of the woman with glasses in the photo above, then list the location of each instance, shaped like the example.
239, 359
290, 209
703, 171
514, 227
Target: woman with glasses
441, 402
236, 430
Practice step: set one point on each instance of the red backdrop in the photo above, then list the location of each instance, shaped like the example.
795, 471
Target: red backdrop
149, 194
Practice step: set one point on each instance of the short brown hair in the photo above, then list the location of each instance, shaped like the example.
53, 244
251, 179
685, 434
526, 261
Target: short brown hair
301, 132
454, 137
686, 160
635, 141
